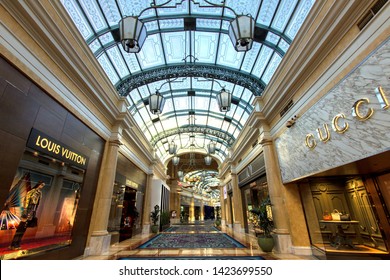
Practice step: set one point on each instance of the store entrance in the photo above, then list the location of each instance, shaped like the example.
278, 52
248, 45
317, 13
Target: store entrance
129, 214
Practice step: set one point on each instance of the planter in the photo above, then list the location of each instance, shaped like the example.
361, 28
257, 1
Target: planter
266, 243
154, 228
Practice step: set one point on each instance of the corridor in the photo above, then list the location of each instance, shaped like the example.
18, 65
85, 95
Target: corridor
193, 241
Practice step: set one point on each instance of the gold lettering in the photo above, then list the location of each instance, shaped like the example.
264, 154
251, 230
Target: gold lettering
44, 143
38, 139
335, 124
357, 112
321, 136
310, 141
380, 94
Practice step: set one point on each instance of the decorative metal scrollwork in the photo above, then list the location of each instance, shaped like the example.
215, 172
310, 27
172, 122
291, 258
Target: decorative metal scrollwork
190, 70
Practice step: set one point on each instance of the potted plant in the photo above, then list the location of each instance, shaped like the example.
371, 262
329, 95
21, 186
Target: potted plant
154, 215
218, 223
264, 221
165, 220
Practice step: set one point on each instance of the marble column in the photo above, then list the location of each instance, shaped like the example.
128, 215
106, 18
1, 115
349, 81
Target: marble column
175, 202
277, 196
192, 210
299, 233
223, 206
146, 208
201, 215
238, 219
99, 241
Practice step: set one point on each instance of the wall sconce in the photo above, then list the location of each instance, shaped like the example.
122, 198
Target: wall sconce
132, 34
241, 31
207, 160
156, 103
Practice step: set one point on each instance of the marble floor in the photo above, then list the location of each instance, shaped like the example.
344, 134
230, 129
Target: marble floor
129, 249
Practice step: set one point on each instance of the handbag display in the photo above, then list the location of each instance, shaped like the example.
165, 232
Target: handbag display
326, 216
336, 215
345, 217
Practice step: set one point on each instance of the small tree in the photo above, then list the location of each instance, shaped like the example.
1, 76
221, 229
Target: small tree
264, 217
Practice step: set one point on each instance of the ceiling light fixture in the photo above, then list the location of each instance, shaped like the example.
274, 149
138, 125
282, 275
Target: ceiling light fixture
133, 32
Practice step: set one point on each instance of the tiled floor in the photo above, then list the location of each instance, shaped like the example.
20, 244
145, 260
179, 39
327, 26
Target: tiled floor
128, 248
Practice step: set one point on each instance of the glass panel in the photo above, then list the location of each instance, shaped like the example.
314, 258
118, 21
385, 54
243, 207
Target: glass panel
250, 58
202, 103
117, 60
171, 24
227, 55
208, 23
181, 103
273, 38
205, 44
151, 53
176, 9
94, 15
174, 46
267, 11
206, 9
106, 38
107, 66
262, 61
131, 61
110, 11
283, 14
283, 45
95, 45
275, 61
299, 17
78, 18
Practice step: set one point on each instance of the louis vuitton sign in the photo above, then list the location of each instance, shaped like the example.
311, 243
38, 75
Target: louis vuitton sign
54, 148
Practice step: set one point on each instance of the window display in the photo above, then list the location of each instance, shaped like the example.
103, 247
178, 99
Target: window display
40, 209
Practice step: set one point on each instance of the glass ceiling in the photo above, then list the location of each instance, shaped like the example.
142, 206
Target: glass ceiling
188, 40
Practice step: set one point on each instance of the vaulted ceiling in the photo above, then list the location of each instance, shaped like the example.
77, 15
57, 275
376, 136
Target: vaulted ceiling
188, 57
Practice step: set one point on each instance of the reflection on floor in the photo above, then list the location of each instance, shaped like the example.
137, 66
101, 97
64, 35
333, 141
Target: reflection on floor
32, 247
130, 249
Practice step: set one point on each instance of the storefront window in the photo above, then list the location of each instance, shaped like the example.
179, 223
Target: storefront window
41, 206
341, 217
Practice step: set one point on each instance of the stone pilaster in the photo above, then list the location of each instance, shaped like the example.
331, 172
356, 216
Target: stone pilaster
192, 210
223, 206
99, 241
146, 208
175, 202
238, 215
277, 196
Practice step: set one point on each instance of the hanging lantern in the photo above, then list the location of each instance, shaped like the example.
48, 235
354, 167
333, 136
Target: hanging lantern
211, 147
224, 98
207, 160
132, 34
175, 160
172, 148
241, 32
156, 103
